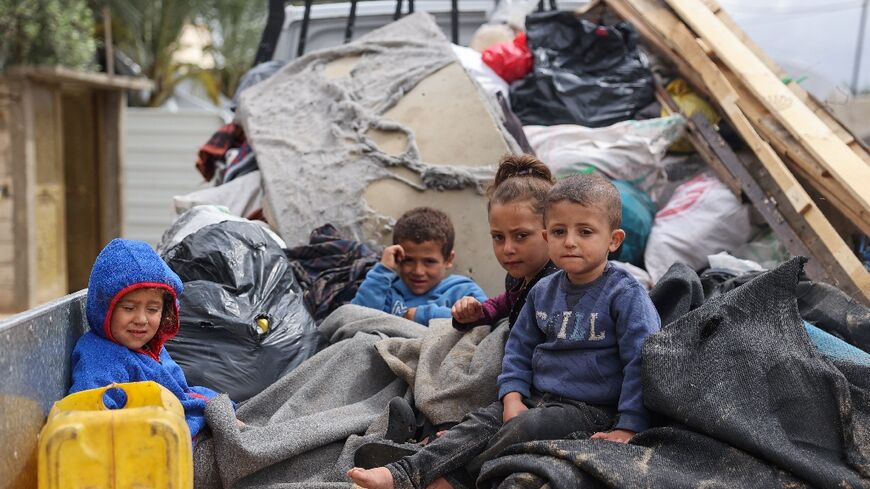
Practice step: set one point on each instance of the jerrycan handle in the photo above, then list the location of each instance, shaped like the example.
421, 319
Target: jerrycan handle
118, 396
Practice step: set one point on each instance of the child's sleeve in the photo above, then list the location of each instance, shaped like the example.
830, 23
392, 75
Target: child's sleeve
636, 318
92, 369
516, 370
374, 292
427, 312
493, 308
176, 372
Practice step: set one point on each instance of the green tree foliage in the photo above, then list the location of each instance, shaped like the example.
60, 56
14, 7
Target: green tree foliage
47, 32
67, 32
147, 32
236, 27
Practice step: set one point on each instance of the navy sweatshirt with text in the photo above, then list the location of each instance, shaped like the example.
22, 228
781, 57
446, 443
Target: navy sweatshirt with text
583, 342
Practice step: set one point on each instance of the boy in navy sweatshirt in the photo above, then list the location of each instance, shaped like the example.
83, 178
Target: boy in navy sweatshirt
572, 364
411, 280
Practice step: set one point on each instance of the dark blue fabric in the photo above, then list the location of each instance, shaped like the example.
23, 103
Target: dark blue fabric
97, 361
589, 352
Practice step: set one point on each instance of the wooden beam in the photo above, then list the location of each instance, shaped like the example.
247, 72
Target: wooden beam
763, 201
683, 42
61, 75
759, 191
111, 110
798, 158
24, 194
707, 155
836, 157
820, 109
795, 156
652, 39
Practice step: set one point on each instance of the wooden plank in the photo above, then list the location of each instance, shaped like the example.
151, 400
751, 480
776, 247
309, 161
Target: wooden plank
819, 108
710, 145
761, 199
111, 110
60, 74
49, 217
836, 157
850, 273
23, 136
81, 163
652, 40
8, 98
797, 158
707, 155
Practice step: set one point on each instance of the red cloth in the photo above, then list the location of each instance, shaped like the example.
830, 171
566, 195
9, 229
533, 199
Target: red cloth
229, 136
510, 60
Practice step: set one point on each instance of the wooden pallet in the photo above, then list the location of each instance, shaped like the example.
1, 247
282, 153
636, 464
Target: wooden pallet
670, 37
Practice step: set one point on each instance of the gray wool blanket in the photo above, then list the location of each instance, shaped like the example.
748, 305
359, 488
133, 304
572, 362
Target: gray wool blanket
303, 430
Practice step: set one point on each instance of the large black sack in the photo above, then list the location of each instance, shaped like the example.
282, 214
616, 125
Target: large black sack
752, 404
583, 73
235, 274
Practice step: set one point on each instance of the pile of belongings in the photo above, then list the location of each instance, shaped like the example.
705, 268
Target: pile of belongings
743, 398
251, 306
759, 375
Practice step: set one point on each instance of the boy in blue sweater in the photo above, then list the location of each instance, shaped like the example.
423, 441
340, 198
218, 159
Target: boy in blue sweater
132, 311
572, 363
411, 280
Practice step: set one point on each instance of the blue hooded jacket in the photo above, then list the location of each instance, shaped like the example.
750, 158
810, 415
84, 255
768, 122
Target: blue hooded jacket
384, 290
97, 360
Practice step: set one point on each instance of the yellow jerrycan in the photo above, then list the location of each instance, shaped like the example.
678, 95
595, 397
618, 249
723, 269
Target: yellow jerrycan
143, 442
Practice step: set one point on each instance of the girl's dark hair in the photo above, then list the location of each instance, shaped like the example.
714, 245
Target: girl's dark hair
169, 317
521, 177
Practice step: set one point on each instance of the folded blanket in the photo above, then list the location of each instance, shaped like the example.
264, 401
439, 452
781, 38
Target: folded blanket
302, 431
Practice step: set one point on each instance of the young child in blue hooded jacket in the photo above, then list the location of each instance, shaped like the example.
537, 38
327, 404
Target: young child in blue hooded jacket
132, 310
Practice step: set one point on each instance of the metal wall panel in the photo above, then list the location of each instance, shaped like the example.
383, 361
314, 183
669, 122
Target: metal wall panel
161, 153
35, 367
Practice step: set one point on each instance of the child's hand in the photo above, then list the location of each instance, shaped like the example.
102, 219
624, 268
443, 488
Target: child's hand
619, 436
392, 256
513, 406
411, 313
467, 310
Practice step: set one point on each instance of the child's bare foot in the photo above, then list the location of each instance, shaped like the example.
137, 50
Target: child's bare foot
440, 483
377, 478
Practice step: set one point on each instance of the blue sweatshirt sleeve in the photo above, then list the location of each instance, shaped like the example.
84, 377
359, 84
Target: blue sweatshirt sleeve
516, 370
93, 368
636, 318
426, 312
375, 291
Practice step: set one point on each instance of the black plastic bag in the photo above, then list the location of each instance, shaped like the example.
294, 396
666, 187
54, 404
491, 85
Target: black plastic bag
583, 73
234, 274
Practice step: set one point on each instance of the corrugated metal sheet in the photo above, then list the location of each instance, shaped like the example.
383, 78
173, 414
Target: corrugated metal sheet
161, 152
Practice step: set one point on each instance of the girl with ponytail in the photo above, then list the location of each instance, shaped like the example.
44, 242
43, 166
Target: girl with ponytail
516, 225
